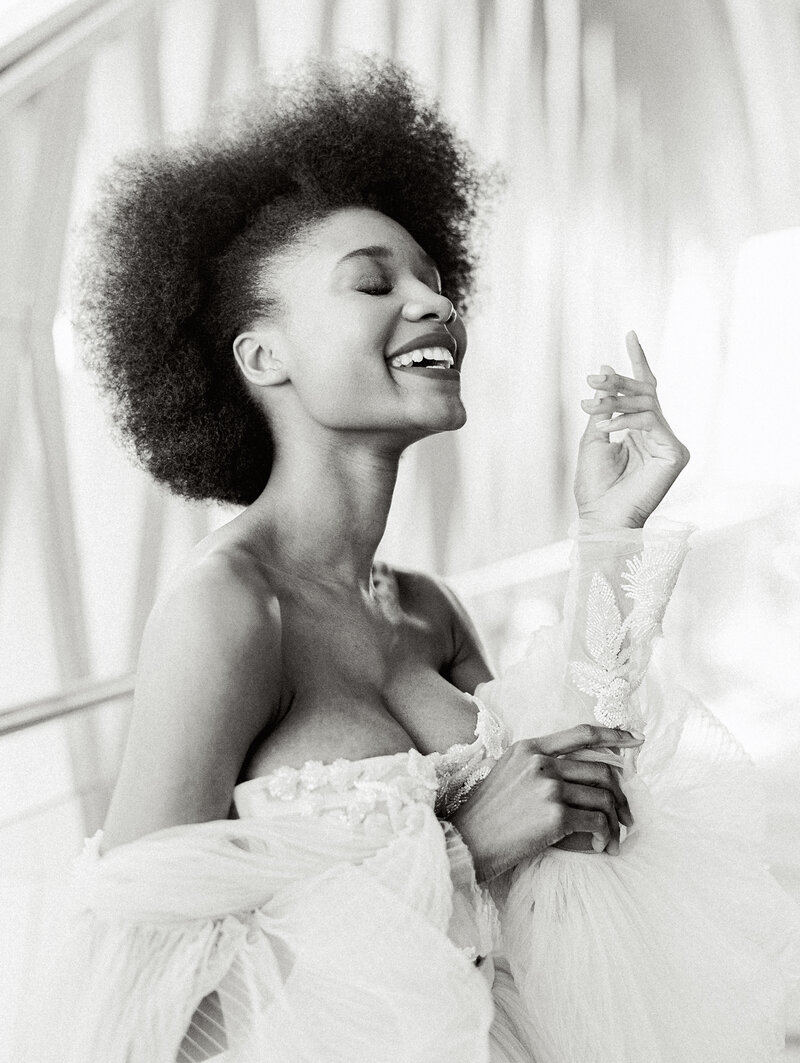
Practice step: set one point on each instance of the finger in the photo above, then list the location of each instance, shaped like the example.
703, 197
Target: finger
639, 363
645, 422
591, 797
621, 404
614, 383
600, 775
585, 736
587, 821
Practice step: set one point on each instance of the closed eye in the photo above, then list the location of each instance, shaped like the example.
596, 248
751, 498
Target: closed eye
375, 289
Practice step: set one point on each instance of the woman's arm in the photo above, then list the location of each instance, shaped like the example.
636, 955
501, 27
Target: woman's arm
536, 795
208, 682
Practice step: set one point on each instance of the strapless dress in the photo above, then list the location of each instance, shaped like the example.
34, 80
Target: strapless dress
339, 920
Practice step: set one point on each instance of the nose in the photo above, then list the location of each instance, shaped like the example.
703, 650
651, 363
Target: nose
429, 307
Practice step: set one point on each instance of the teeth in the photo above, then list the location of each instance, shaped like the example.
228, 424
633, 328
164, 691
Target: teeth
431, 354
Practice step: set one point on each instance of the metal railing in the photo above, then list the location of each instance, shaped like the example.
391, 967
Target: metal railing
82, 696
503, 575
43, 54
499, 575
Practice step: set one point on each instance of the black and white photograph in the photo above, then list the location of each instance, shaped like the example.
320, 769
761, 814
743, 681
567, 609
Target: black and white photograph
399, 531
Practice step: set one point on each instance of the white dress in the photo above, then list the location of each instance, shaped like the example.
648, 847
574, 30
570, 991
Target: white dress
338, 919
680, 948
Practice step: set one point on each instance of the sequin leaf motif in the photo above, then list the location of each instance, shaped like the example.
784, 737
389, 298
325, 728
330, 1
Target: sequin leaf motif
490, 730
462, 767
649, 582
611, 676
607, 676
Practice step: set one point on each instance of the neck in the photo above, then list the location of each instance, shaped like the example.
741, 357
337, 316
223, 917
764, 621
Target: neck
324, 511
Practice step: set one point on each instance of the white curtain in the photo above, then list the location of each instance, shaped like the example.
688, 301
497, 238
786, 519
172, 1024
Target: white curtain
641, 143
651, 154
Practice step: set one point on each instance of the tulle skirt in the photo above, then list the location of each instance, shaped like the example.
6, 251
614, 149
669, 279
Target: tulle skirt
678, 949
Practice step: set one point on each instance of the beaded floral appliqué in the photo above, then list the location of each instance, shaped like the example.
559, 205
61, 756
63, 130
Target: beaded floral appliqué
350, 789
462, 767
611, 675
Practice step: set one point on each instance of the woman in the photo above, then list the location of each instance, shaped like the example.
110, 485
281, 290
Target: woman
275, 307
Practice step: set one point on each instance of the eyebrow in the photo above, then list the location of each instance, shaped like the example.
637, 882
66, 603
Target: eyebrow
382, 252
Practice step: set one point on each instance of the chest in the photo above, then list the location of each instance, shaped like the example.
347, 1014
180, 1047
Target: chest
363, 682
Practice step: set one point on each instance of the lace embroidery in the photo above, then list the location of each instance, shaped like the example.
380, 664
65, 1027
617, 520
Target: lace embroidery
461, 768
351, 790
456, 783
490, 731
649, 582
611, 676
361, 785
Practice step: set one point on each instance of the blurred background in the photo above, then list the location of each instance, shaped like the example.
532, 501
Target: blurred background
652, 154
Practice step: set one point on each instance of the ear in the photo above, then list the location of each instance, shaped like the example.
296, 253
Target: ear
258, 359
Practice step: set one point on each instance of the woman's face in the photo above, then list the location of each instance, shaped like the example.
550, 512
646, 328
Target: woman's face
358, 296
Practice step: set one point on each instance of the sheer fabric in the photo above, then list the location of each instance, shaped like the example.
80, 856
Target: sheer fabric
340, 919
337, 919
681, 946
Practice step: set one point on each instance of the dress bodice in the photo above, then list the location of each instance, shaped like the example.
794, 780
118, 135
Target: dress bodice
351, 790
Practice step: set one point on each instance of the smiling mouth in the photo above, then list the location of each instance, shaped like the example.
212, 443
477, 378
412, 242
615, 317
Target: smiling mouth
437, 358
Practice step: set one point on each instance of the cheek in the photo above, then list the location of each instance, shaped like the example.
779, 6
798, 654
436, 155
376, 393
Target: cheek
339, 346
339, 378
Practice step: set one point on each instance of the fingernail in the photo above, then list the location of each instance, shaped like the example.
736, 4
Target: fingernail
636, 734
597, 378
603, 424
590, 404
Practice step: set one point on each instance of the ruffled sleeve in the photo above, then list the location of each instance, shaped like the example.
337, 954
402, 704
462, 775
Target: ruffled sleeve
281, 937
590, 667
621, 580
651, 951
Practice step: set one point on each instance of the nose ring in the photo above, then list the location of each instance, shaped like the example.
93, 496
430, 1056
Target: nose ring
452, 316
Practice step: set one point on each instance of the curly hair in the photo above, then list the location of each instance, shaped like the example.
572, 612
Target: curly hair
171, 265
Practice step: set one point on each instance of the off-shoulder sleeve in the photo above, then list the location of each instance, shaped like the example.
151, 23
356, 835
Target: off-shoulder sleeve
281, 937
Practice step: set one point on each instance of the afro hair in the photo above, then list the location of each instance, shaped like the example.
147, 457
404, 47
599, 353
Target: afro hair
170, 269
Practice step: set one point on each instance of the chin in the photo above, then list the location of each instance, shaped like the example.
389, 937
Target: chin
459, 421
449, 420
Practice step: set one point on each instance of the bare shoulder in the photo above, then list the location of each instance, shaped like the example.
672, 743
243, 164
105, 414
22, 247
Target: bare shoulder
222, 602
425, 593
208, 681
431, 597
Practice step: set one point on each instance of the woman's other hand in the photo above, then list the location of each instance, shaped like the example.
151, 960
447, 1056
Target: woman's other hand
535, 796
620, 484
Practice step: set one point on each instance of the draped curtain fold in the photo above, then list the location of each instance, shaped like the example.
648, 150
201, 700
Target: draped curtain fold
641, 145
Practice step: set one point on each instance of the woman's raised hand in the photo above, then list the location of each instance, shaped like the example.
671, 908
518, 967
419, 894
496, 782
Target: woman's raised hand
535, 796
620, 484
